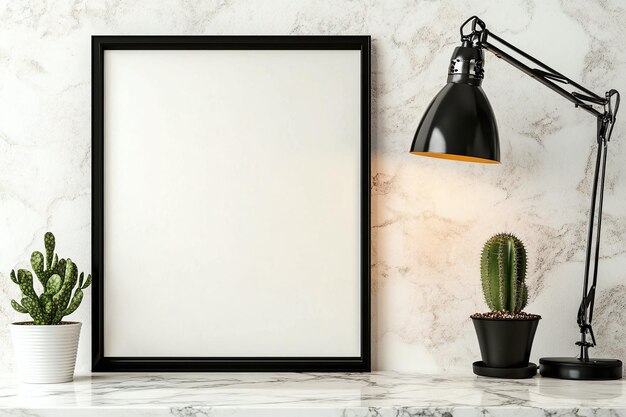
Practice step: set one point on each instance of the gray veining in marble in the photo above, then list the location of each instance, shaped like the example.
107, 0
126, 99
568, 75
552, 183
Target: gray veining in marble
429, 217
332, 395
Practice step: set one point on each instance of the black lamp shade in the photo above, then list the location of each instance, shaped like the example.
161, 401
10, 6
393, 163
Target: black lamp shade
459, 123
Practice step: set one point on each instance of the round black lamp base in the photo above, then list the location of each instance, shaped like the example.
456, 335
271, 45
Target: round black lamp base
574, 368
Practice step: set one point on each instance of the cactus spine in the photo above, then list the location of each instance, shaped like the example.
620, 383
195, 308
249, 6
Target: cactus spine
503, 273
58, 277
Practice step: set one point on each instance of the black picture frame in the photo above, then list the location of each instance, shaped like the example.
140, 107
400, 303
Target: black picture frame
102, 363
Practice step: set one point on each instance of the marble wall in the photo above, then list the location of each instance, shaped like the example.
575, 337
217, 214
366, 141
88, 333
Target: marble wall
429, 217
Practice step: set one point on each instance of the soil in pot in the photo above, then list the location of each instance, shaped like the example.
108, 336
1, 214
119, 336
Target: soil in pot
32, 323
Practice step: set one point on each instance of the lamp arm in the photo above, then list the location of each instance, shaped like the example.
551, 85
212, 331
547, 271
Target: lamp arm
585, 99
479, 36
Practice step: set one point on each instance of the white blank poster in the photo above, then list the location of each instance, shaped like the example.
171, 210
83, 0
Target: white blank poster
232, 205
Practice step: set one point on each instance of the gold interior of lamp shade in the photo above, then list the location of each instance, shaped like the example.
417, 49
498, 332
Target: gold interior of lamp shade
456, 157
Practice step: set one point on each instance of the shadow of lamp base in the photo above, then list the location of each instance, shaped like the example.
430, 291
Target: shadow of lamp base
574, 368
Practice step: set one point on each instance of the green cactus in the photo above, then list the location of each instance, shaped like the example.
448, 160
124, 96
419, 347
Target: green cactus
58, 277
503, 273
51, 267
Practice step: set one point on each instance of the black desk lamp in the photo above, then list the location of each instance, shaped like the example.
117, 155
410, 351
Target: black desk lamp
459, 124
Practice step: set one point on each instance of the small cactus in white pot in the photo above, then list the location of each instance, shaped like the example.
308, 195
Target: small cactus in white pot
45, 347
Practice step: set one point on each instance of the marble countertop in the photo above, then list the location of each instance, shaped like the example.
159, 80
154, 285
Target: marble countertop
308, 394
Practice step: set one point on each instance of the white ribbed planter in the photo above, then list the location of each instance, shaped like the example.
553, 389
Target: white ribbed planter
45, 354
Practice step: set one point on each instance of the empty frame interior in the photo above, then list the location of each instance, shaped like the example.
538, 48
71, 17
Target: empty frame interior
232, 205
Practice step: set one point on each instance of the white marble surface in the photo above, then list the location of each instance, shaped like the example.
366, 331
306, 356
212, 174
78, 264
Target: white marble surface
320, 395
429, 217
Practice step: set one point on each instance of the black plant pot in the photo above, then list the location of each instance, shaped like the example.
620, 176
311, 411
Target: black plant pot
505, 343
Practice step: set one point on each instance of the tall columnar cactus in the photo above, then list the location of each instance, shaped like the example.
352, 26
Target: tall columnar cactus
58, 277
503, 273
